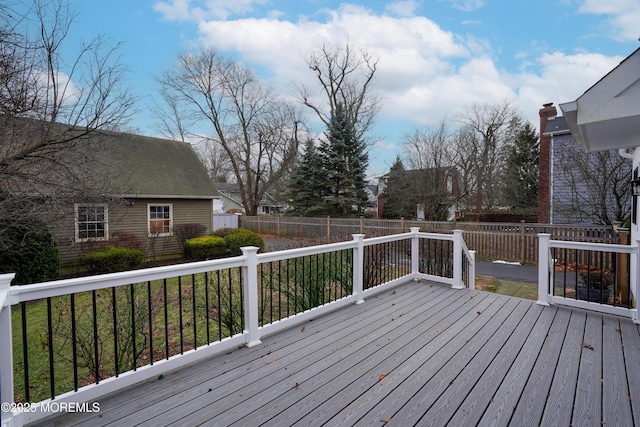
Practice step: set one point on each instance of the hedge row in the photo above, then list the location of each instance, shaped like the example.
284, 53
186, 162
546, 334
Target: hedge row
226, 242
111, 259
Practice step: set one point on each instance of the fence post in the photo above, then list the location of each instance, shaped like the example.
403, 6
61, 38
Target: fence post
358, 268
415, 252
523, 243
622, 277
543, 268
328, 228
278, 226
457, 260
6, 345
251, 295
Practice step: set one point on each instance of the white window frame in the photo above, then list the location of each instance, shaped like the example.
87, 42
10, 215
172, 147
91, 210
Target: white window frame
76, 222
149, 232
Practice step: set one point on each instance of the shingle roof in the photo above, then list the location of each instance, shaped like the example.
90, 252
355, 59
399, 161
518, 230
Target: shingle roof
116, 163
148, 166
556, 125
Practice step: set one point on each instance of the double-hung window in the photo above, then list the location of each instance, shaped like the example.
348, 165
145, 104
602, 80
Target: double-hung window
160, 220
91, 222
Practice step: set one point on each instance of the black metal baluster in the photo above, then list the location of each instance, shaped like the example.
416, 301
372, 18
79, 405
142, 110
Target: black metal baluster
219, 310
180, 314
133, 326
52, 381
589, 265
231, 326
270, 292
114, 312
295, 284
150, 322
288, 284
241, 282
95, 336
25, 351
166, 319
74, 345
206, 306
193, 308
304, 284
279, 290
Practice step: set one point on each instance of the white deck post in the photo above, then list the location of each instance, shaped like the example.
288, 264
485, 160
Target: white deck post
251, 296
415, 252
543, 268
457, 260
6, 346
358, 268
472, 270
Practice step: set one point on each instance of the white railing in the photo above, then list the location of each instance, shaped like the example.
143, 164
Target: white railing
563, 265
403, 263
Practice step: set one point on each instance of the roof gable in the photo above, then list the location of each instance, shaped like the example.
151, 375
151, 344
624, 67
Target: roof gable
145, 166
607, 115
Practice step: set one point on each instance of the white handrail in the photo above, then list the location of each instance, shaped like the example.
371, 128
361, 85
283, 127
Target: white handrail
249, 261
546, 274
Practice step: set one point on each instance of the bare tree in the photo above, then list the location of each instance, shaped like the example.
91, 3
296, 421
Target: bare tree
345, 79
429, 156
50, 106
258, 131
591, 188
479, 150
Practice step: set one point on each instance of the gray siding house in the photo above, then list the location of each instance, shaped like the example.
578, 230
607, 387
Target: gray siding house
160, 185
581, 187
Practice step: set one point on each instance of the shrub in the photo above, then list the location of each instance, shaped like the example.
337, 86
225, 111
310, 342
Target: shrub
205, 247
224, 232
111, 259
188, 231
240, 237
31, 255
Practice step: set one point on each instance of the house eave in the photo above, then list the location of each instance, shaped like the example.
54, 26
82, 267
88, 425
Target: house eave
606, 116
168, 196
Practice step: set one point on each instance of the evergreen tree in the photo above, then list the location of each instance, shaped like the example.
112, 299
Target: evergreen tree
307, 187
397, 198
521, 173
345, 162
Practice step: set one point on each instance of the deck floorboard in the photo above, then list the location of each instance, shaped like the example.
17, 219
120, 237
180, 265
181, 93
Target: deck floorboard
419, 354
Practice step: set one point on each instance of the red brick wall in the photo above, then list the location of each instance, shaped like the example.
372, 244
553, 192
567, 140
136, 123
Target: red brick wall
546, 112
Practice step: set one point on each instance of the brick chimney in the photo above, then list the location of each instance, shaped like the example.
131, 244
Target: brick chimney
546, 112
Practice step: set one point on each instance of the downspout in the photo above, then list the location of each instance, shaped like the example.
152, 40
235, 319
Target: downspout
551, 183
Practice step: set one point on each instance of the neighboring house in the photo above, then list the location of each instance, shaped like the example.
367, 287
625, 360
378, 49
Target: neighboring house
162, 184
573, 186
447, 184
232, 201
372, 197
607, 117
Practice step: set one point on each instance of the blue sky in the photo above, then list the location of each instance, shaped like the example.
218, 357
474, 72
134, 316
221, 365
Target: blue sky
437, 57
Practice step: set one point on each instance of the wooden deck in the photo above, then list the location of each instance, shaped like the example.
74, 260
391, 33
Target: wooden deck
422, 354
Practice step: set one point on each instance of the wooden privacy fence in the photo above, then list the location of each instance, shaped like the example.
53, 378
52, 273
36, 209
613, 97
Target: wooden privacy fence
494, 241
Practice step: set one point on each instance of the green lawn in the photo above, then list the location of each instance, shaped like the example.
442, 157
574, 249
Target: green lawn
506, 287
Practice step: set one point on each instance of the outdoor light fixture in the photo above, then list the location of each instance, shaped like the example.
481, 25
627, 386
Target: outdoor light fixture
635, 186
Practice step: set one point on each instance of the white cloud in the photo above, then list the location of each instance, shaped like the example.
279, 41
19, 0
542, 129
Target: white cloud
624, 16
561, 78
184, 10
466, 5
402, 8
424, 72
